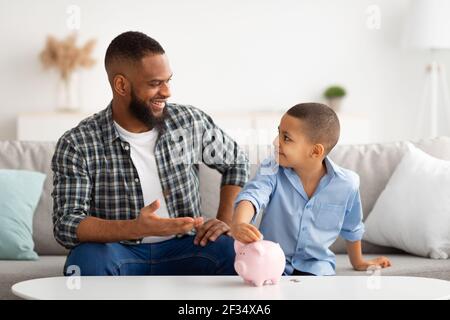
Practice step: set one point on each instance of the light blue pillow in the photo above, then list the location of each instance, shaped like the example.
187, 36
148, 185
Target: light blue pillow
20, 192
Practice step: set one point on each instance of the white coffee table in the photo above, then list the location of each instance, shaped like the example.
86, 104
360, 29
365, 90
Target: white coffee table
232, 288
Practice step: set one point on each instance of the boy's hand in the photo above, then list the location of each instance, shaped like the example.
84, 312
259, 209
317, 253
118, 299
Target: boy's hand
245, 232
383, 262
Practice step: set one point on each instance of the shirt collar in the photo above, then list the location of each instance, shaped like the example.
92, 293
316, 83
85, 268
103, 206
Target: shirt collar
332, 168
332, 171
109, 131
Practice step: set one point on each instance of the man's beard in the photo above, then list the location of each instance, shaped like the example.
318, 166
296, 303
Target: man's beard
142, 112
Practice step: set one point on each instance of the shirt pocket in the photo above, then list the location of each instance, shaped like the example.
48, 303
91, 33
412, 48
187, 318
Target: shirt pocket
329, 216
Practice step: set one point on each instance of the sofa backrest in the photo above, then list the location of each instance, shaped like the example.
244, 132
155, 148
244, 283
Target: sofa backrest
374, 163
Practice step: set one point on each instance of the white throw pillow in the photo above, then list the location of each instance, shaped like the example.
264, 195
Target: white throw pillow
413, 211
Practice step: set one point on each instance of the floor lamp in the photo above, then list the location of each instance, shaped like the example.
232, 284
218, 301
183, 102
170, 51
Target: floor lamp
429, 28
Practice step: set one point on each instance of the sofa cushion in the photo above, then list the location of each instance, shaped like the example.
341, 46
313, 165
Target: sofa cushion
402, 265
412, 213
35, 156
20, 191
12, 272
375, 164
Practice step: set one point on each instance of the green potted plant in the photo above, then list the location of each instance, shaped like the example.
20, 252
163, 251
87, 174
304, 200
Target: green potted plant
334, 96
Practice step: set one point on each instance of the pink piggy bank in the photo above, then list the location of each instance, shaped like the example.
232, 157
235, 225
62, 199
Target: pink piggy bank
259, 261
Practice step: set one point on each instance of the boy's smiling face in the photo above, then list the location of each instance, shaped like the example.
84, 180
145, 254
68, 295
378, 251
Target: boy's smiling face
293, 149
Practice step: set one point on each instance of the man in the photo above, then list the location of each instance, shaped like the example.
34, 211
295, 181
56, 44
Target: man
126, 185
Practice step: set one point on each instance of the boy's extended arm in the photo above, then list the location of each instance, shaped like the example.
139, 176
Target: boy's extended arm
244, 212
356, 258
241, 229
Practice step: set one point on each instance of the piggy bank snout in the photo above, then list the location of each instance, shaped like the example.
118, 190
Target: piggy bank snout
240, 267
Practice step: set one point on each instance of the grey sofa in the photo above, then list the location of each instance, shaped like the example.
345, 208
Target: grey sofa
374, 163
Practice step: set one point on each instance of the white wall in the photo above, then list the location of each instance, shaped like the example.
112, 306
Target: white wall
253, 54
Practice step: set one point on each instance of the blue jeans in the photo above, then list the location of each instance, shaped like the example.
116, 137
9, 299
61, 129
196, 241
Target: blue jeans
177, 256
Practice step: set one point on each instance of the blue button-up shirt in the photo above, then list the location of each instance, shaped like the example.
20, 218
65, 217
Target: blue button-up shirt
306, 227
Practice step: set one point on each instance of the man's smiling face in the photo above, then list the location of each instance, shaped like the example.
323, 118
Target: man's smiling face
150, 89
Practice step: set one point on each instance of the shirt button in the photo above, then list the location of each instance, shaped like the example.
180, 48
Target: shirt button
136, 180
126, 148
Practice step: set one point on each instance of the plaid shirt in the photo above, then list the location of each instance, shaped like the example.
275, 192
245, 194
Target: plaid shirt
93, 174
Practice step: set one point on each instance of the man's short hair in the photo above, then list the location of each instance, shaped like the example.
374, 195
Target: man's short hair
320, 122
131, 46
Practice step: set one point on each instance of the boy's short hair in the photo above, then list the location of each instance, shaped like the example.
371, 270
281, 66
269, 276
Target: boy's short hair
321, 123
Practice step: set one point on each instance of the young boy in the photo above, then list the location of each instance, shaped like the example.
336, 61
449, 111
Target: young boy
308, 200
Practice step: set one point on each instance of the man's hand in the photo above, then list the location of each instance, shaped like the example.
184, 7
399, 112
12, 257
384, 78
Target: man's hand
148, 223
210, 231
383, 262
245, 232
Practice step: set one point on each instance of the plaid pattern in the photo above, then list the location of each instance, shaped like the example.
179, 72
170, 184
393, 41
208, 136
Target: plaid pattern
93, 174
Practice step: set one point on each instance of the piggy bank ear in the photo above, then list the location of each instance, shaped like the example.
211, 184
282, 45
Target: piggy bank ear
238, 246
259, 248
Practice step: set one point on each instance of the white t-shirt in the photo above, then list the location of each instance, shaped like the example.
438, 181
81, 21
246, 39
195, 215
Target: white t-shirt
142, 151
